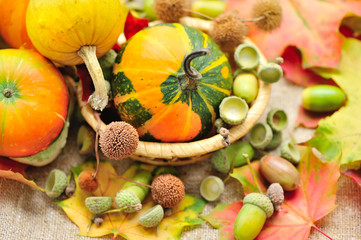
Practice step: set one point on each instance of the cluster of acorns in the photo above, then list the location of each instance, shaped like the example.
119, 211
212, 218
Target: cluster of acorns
167, 191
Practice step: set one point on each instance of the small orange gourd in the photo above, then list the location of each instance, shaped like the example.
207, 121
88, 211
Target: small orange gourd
72, 32
33, 103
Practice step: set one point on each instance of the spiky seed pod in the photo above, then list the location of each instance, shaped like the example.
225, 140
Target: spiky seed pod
170, 11
272, 12
229, 30
118, 140
167, 190
87, 182
276, 194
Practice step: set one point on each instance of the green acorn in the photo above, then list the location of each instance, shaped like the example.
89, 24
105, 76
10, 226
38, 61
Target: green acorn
56, 183
257, 207
220, 161
152, 217
98, 205
131, 195
290, 152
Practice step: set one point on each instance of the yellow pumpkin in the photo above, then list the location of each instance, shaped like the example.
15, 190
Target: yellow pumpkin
72, 32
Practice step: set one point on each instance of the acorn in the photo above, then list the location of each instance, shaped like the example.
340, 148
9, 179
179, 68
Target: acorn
275, 141
167, 190
257, 207
269, 13
220, 161
246, 56
131, 195
118, 140
277, 119
233, 110
245, 86
279, 170
228, 31
56, 183
152, 217
290, 152
260, 135
270, 72
98, 205
211, 188
240, 151
276, 195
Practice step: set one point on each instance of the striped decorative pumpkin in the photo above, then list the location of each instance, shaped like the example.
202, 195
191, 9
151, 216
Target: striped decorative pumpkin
169, 81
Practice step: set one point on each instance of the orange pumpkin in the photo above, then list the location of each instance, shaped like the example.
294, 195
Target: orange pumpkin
12, 23
33, 103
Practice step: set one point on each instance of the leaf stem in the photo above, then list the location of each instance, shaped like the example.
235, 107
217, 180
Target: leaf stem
252, 173
96, 145
319, 230
231, 169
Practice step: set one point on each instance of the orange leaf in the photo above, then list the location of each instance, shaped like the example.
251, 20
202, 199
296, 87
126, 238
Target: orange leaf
311, 26
309, 119
16, 171
124, 224
314, 199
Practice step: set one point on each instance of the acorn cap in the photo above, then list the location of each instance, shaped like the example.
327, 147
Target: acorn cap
272, 12
170, 11
167, 190
233, 110
118, 140
290, 152
270, 72
246, 56
228, 30
220, 161
87, 182
275, 142
56, 183
152, 217
125, 198
211, 188
277, 119
98, 205
276, 195
260, 135
261, 201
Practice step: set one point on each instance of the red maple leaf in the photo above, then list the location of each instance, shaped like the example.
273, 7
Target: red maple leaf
311, 26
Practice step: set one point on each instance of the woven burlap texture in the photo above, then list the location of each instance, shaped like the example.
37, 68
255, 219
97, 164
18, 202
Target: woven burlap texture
29, 214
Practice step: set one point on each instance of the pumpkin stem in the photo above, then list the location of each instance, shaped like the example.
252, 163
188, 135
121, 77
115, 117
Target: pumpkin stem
99, 99
189, 79
8, 92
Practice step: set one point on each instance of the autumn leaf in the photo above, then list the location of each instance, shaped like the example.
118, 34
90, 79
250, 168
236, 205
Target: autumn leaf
16, 171
250, 183
123, 224
354, 175
309, 119
314, 199
133, 25
311, 26
294, 72
339, 135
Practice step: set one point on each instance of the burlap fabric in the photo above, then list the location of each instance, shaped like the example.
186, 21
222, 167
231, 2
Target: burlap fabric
29, 214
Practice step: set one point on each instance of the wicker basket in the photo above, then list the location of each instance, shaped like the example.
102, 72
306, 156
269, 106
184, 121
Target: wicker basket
176, 154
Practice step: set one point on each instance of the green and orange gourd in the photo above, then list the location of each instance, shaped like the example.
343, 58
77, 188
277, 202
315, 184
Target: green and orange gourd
75, 32
33, 103
169, 81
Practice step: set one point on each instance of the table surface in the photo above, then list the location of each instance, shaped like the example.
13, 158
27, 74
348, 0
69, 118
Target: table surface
30, 214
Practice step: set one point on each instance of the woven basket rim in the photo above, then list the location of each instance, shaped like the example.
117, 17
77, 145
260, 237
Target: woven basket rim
188, 152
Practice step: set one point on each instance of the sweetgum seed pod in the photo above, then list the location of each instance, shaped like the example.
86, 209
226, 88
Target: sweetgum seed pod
279, 170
